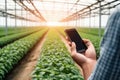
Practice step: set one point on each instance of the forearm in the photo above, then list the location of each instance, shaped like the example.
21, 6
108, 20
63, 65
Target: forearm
88, 68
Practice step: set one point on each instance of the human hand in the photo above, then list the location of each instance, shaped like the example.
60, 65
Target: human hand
86, 60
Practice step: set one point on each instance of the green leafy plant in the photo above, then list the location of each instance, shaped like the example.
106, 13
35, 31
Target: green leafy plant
12, 53
55, 62
10, 38
14, 30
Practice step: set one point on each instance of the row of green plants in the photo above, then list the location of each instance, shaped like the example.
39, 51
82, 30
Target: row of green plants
14, 30
11, 38
2, 34
12, 53
2, 28
92, 31
55, 62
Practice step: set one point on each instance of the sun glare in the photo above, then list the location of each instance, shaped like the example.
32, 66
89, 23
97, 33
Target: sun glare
53, 24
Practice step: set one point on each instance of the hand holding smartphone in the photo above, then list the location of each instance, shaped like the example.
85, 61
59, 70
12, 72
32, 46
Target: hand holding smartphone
75, 37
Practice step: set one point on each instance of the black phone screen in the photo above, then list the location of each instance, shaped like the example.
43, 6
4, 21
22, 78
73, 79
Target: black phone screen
75, 37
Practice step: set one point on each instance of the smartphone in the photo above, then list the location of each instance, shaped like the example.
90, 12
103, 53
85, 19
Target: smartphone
75, 37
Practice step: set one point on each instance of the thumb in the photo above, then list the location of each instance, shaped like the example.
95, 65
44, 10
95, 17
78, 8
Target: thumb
73, 48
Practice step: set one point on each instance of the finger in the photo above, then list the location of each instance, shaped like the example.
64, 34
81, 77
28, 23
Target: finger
86, 40
73, 47
77, 57
69, 43
67, 38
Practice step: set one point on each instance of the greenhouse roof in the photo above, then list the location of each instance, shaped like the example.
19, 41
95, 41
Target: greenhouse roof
55, 10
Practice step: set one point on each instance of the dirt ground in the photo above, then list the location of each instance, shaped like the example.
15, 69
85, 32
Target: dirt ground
25, 67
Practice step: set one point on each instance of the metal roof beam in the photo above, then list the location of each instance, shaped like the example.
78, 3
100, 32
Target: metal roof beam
3, 14
80, 12
20, 2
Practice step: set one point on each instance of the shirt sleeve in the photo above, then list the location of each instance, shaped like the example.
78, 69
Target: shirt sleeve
108, 65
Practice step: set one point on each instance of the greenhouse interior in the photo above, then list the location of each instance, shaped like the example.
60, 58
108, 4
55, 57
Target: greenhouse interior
40, 38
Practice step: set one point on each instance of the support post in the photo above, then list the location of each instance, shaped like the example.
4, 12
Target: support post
94, 20
99, 19
15, 15
89, 19
26, 18
76, 17
6, 23
22, 16
80, 21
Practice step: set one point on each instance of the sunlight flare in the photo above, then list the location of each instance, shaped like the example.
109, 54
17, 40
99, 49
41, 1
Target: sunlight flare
53, 24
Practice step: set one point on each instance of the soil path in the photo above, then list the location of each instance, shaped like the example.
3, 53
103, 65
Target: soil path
24, 68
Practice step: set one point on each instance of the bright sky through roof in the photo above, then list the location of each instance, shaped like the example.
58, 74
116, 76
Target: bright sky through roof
51, 10
54, 24
55, 10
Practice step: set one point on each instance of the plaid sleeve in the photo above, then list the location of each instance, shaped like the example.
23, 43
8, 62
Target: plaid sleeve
108, 65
